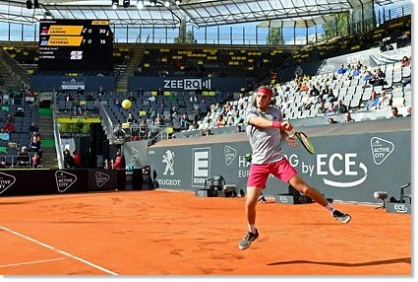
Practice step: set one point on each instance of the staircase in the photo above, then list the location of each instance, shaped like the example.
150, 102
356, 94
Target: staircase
135, 58
13, 73
46, 130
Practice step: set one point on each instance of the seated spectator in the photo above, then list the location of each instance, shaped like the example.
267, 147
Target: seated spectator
220, 122
369, 79
132, 98
101, 91
384, 100
341, 70
131, 118
174, 114
373, 101
332, 121
330, 109
379, 77
8, 127
321, 109
20, 112
185, 121
348, 118
143, 130
340, 108
23, 157
118, 104
408, 111
395, 113
405, 62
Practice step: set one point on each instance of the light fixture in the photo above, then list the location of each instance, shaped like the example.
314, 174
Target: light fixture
115, 4
178, 2
153, 2
126, 3
29, 4
36, 4
167, 3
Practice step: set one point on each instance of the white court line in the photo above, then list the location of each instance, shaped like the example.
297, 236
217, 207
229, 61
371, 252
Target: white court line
30, 262
59, 251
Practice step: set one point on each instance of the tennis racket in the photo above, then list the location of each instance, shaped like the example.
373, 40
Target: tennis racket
304, 139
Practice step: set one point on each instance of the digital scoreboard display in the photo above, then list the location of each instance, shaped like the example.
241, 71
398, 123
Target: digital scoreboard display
75, 45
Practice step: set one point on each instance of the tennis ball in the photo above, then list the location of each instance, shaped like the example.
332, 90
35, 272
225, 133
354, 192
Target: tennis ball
126, 104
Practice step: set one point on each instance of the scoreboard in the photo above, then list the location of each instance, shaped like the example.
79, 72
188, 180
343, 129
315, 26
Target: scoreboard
75, 45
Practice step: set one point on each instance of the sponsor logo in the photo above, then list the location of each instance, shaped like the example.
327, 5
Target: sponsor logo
6, 181
151, 153
201, 166
341, 165
400, 208
64, 180
188, 84
134, 156
101, 178
283, 199
381, 149
168, 159
230, 154
303, 199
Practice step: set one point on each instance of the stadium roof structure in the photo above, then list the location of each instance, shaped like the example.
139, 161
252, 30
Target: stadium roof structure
201, 13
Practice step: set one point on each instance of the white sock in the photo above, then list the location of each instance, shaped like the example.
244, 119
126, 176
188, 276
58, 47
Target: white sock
251, 228
330, 208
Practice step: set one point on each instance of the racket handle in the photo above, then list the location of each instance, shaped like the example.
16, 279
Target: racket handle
292, 133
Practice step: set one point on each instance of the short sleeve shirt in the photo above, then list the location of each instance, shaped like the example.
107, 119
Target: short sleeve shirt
265, 142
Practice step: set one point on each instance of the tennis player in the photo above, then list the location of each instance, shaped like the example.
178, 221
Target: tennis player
265, 128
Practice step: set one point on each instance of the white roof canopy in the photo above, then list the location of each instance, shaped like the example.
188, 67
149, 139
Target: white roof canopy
200, 13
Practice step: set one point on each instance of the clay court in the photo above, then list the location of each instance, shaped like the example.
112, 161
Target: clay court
176, 233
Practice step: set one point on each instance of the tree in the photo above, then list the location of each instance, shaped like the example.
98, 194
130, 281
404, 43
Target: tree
275, 36
338, 27
189, 38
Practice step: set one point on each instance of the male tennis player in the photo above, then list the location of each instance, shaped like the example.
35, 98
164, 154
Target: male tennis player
265, 128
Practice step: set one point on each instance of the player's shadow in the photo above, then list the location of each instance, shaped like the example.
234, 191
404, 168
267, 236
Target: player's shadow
345, 264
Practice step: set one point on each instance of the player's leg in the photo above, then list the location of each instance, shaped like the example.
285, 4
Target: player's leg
256, 180
299, 184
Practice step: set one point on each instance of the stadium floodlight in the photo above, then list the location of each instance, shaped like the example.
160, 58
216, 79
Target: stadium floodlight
167, 3
178, 2
115, 4
126, 3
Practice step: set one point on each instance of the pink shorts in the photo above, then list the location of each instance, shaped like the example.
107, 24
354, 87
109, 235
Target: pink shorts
260, 173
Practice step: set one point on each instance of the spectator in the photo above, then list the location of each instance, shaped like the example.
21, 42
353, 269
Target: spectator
405, 62
332, 121
20, 112
373, 101
340, 108
131, 118
185, 121
395, 113
33, 128
384, 101
23, 157
408, 112
68, 159
36, 160
341, 70
348, 118
132, 98
77, 159
8, 127
101, 91
118, 164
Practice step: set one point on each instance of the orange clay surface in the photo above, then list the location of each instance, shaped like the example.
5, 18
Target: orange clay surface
176, 233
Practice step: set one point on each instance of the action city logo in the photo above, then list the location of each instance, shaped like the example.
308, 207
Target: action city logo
64, 180
101, 178
6, 181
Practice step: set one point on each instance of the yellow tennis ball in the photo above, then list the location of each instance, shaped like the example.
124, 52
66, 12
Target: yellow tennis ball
126, 104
